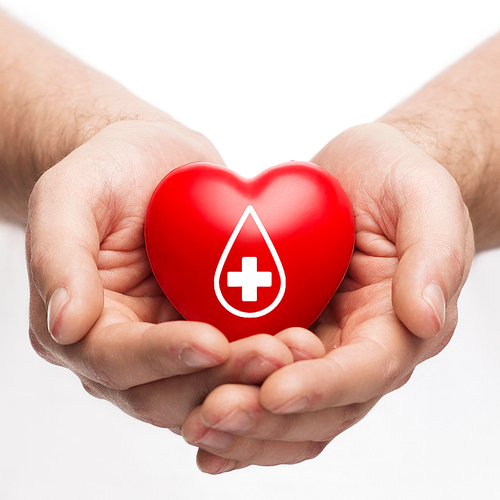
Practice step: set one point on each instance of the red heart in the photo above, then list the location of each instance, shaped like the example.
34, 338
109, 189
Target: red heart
249, 255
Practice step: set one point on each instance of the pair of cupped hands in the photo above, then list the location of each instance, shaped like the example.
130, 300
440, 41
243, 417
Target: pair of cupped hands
96, 308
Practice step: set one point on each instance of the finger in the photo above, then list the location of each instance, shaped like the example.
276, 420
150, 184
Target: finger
410, 201
62, 248
249, 451
263, 453
236, 410
380, 358
435, 248
212, 464
302, 343
167, 402
125, 355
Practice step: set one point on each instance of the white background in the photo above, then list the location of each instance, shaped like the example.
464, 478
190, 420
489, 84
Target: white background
266, 81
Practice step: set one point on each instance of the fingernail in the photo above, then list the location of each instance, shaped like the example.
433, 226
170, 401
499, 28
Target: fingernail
237, 421
294, 406
434, 296
194, 358
58, 300
215, 440
256, 369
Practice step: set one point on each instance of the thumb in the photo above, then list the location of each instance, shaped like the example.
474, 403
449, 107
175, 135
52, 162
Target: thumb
62, 245
435, 247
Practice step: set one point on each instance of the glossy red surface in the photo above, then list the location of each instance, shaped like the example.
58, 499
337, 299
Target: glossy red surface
249, 255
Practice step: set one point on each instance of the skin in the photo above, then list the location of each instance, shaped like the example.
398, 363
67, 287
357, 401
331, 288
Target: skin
95, 306
94, 153
372, 338
419, 180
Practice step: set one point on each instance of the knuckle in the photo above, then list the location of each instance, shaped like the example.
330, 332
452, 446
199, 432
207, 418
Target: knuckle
41, 350
394, 375
352, 414
283, 429
314, 449
144, 409
254, 452
456, 259
308, 451
393, 365
38, 347
160, 361
93, 389
99, 364
96, 367
400, 383
104, 377
332, 432
391, 373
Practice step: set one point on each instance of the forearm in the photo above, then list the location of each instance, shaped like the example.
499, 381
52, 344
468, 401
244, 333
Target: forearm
456, 119
50, 103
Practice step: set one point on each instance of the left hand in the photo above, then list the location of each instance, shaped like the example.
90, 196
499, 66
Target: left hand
396, 308
116, 330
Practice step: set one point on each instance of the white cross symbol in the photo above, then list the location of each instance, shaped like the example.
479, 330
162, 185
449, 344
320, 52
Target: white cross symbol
249, 279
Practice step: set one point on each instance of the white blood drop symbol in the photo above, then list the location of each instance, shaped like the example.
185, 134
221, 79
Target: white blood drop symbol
249, 279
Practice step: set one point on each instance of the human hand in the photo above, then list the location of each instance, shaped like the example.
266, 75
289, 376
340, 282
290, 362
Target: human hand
108, 320
396, 307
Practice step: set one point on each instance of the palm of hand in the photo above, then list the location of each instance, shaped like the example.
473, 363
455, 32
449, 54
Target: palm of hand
131, 293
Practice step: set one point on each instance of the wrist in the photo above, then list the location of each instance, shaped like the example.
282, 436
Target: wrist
50, 134
456, 120
51, 104
77, 108
464, 149
459, 137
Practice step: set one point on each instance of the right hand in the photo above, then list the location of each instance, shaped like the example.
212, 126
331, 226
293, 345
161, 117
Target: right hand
412, 229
